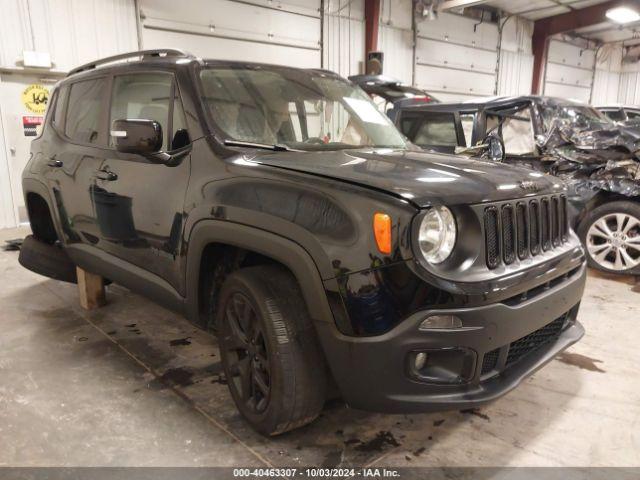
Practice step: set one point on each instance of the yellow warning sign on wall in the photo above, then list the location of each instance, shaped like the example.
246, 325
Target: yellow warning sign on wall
35, 98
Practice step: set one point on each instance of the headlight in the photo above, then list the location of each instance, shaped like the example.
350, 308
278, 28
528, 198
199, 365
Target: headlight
437, 234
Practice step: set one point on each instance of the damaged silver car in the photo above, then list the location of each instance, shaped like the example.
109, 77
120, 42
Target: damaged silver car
597, 158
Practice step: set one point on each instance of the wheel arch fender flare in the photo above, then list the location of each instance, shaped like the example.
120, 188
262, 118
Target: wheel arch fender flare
31, 185
281, 249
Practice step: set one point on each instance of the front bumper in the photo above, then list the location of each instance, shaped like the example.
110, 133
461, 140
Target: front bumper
372, 373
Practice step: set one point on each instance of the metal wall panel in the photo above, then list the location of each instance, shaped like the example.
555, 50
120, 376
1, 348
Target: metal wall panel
343, 42
516, 73
395, 39
605, 87
629, 89
72, 31
607, 77
397, 43
8, 214
271, 32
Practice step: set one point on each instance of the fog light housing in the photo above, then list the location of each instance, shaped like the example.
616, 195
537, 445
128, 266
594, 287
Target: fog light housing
442, 366
440, 322
419, 361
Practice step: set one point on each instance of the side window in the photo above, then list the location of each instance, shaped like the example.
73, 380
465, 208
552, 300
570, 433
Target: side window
467, 120
83, 114
615, 115
406, 125
58, 107
143, 96
517, 133
633, 114
437, 129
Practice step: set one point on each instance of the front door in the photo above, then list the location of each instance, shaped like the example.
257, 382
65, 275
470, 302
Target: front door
139, 201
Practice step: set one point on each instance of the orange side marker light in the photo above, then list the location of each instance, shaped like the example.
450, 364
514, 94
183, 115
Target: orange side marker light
382, 232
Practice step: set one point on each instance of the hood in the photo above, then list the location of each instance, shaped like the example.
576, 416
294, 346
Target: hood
611, 136
422, 178
597, 137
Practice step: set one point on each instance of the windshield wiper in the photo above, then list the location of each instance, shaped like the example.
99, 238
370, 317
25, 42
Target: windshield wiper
264, 146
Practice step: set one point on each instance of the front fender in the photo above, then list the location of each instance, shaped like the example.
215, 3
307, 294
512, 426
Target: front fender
281, 249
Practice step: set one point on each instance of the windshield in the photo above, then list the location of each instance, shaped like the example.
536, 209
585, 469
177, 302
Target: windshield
579, 116
296, 108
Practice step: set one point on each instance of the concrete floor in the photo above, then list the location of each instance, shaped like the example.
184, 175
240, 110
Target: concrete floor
132, 384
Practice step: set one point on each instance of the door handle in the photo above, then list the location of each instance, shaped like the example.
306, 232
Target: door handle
106, 175
55, 163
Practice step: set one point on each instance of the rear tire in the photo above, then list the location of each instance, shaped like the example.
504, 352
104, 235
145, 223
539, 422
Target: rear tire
270, 354
611, 237
49, 260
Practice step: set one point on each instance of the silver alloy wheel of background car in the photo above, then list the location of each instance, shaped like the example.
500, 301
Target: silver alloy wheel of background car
613, 241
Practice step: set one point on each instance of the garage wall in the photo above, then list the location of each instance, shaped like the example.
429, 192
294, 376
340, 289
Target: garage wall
629, 88
569, 70
343, 36
456, 57
285, 32
72, 32
607, 78
395, 39
516, 58
452, 60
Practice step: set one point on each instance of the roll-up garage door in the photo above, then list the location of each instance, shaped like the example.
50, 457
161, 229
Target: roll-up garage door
265, 31
456, 57
569, 71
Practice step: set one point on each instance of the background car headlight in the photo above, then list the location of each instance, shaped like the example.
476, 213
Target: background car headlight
437, 234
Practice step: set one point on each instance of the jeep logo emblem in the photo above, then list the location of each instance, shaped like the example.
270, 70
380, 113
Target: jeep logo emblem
529, 185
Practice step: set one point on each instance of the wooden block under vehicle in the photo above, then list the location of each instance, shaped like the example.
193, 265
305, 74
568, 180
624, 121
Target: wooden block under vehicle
91, 289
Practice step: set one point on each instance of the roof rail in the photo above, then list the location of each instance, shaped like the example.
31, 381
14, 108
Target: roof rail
161, 52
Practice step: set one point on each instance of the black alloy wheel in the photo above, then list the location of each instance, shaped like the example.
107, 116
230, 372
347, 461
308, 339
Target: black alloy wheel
271, 357
247, 354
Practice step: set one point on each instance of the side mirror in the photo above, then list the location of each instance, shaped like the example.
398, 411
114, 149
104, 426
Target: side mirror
495, 148
137, 136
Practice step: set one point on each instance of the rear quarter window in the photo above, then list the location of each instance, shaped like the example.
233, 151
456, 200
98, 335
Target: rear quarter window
57, 113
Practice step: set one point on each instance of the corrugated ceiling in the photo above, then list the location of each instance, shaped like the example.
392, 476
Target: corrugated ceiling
537, 9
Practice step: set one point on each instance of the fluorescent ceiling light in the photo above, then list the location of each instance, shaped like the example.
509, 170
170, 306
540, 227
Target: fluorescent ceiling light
623, 15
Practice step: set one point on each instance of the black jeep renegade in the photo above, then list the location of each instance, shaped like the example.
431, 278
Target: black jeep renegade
279, 209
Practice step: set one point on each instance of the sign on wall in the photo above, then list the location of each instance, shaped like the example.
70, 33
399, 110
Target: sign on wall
30, 125
35, 98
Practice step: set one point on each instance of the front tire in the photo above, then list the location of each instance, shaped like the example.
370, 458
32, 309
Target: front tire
611, 237
271, 358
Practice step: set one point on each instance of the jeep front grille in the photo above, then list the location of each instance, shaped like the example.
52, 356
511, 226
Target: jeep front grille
524, 228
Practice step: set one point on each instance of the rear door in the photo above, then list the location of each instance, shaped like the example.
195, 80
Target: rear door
138, 200
76, 151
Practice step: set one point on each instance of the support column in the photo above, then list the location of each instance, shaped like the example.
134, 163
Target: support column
371, 24
539, 47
